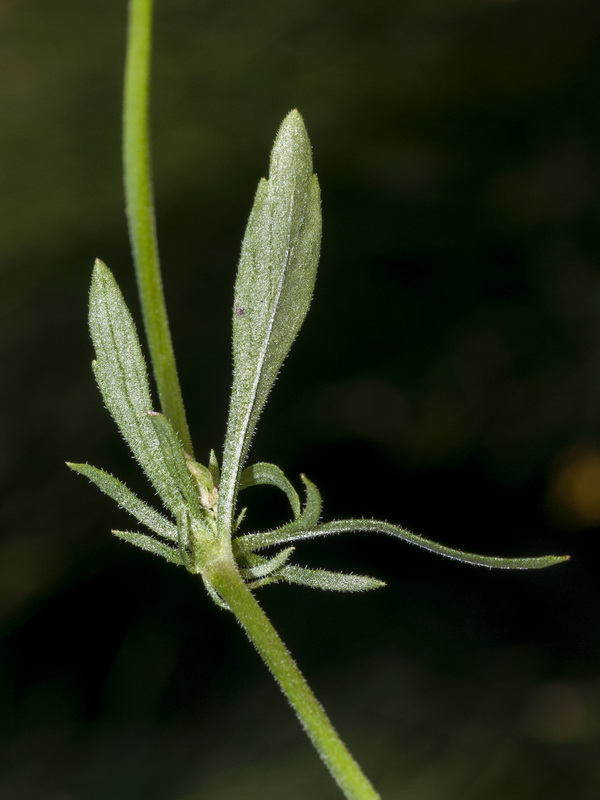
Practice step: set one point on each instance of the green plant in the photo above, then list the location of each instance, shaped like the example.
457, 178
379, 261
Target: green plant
201, 526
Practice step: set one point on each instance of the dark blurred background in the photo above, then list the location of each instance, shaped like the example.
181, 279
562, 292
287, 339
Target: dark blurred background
448, 378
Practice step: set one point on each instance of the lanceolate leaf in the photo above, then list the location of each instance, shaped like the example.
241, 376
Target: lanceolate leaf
275, 281
151, 545
275, 570
256, 541
121, 374
262, 567
175, 461
330, 581
268, 474
128, 500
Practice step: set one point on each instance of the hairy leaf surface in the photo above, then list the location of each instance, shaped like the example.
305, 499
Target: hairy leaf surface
175, 462
257, 541
274, 286
330, 581
117, 490
262, 567
151, 545
121, 374
268, 474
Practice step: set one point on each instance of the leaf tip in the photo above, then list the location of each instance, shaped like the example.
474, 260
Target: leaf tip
75, 467
100, 271
547, 561
291, 144
293, 117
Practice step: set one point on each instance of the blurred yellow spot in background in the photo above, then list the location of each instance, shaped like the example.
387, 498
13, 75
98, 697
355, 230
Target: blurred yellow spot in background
575, 487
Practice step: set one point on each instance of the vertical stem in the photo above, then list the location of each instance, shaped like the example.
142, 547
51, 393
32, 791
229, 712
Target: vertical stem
345, 771
140, 214
222, 574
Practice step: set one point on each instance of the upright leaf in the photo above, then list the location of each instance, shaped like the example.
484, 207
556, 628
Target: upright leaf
175, 461
275, 281
120, 371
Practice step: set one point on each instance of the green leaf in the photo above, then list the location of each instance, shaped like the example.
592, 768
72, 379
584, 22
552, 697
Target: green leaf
175, 461
274, 570
213, 468
313, 505
250, 542
127, 500
256, 541
330, 581
275, 281
121, 374
240, 518
311, 512
151, 545
186, 539
307, 520
269, 474
262, 567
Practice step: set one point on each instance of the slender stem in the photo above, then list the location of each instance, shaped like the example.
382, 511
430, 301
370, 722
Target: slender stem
222, 574
338, 760
140, 214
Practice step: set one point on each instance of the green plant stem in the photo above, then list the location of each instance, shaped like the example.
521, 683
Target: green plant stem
140, 214
225, 578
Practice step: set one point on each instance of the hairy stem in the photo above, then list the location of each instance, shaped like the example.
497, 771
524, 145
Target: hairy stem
225, 578
140, 214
